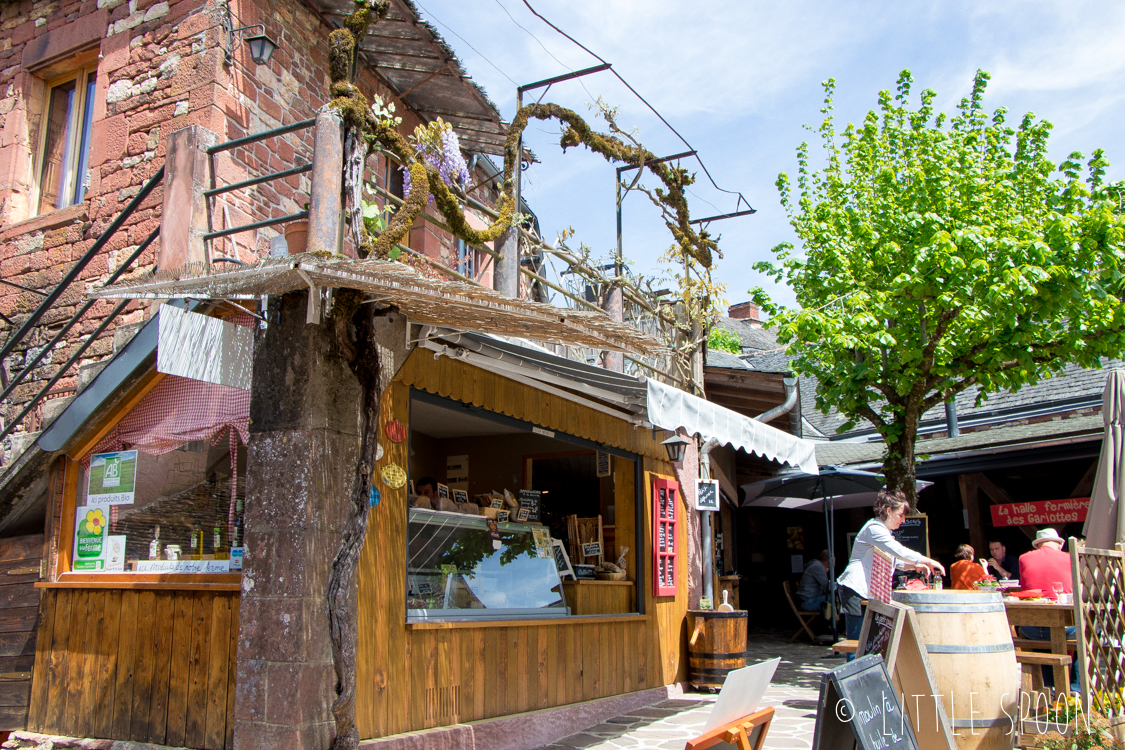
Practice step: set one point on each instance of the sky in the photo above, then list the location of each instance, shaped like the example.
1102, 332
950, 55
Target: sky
739, 80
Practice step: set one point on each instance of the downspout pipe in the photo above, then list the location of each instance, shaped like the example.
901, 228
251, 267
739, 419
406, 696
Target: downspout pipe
705, 523
790, 385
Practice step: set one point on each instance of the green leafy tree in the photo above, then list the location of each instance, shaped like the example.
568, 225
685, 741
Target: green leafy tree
723, 340
942, 253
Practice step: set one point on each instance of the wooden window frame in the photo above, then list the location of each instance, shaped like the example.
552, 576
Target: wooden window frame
64, 533
83, 75
669, 523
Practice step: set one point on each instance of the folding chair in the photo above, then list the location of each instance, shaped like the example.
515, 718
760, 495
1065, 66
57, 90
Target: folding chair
805, 617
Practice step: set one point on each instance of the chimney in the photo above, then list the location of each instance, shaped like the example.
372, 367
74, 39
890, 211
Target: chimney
746, 311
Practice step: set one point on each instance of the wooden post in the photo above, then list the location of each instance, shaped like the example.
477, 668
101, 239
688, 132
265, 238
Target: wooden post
970, 490
184, 219
326, 195
615, 306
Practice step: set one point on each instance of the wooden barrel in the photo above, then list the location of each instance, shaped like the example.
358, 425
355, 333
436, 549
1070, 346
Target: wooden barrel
969, 644
716, 645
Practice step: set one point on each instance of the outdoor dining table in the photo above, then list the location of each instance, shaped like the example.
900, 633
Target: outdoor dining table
1057, 617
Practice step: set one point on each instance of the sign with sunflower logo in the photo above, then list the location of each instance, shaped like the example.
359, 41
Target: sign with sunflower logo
90, 538
112, 479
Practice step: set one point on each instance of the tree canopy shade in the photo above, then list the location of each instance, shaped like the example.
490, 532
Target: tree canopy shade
942, 252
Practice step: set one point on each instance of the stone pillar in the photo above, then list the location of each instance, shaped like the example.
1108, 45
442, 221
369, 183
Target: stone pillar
614, 304
304, 443
187, 173
326, 195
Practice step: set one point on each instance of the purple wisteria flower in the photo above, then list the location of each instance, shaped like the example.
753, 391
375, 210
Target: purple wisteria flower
438, 146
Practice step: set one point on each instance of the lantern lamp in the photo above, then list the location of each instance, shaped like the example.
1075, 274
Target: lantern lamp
261, 48
676, 447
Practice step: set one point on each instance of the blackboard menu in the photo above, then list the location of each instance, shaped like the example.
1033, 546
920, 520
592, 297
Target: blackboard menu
914, 533
879, 634
859, 708
530, 499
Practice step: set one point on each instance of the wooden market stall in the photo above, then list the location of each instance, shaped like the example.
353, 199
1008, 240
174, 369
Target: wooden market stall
422, 674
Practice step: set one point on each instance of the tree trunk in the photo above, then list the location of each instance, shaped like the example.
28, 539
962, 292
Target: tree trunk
898, 465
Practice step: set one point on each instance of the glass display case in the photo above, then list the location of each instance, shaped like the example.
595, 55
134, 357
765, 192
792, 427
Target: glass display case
463, 566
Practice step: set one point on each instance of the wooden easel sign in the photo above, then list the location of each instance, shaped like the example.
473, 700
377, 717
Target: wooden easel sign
859, 710
890, 631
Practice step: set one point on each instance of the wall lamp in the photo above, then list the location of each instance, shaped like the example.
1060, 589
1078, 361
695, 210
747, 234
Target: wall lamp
261, 46
676, 447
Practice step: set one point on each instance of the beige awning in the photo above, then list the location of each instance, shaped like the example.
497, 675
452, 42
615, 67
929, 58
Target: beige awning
450, 304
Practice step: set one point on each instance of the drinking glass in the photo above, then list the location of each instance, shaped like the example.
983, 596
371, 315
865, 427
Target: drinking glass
1057, 587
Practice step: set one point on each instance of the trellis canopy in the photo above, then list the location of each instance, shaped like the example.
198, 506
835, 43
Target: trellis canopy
450, 304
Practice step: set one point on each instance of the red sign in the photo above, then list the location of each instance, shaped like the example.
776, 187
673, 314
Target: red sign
1041, 512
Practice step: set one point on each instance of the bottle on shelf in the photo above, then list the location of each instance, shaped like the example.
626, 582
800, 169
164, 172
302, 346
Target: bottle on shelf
154, 545
217, 541
197, 542
237, 535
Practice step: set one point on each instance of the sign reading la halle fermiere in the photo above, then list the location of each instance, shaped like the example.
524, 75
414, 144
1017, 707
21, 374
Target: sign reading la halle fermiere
1069, 510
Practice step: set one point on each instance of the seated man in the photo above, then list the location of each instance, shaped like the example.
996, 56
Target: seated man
813, 590
1041, 568
1001, 564
965, 571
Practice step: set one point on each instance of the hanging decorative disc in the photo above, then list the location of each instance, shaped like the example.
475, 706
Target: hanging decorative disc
378, 451
393, 476
395, 431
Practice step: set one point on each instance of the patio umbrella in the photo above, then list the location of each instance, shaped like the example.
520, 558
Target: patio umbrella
1105, 523
834, 487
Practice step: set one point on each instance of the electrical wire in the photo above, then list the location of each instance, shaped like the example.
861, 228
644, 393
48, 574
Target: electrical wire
474, 49
544, 46
599, 58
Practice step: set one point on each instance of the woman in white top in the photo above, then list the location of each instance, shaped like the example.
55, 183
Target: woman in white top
890, 509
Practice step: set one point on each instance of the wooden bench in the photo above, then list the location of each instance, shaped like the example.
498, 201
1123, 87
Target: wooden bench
1033, 678
845, 647
1033, 645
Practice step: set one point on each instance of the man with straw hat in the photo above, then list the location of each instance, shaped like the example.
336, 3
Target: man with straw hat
1047, 568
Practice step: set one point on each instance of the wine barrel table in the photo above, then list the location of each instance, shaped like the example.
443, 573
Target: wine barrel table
970, 649
717, 645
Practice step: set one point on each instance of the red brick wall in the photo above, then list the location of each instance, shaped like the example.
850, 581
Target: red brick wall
161, 68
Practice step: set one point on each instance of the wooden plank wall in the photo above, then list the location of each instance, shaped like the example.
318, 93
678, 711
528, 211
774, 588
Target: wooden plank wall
146, 665
417, 678
19, 614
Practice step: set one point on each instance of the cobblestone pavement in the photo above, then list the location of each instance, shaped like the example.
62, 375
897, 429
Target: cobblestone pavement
668, 725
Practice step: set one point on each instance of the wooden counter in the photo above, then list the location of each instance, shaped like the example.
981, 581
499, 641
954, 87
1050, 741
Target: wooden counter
599, 597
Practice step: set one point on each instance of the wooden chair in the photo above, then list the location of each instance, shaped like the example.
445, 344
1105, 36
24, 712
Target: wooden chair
805, 617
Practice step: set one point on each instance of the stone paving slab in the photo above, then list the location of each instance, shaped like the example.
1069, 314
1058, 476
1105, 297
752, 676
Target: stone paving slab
668, 725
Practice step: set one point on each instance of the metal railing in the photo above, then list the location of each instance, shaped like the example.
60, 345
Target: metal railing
9, 385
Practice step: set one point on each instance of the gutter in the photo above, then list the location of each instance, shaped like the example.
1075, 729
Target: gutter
791, 396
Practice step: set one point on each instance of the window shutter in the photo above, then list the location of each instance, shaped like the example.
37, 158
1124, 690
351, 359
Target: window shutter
665, 514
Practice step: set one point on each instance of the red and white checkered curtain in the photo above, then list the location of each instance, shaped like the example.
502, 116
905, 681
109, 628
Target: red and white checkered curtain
882, 572
178, 411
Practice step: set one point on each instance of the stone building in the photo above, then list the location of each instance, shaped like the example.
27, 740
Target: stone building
90, 93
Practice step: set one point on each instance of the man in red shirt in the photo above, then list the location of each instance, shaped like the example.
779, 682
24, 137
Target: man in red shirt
1041, 568
1046, 564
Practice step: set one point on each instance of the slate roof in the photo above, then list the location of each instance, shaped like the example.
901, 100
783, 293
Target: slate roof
1074, 388
1000, 438
716, 358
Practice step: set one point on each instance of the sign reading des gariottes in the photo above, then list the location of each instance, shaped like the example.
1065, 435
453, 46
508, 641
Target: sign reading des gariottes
1068, 510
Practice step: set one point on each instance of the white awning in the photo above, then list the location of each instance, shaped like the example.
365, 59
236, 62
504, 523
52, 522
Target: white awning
670, 409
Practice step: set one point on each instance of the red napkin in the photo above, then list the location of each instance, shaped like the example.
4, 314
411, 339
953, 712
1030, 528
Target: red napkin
915, 585
1027, 594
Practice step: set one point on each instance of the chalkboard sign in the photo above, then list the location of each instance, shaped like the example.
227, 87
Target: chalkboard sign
604, 464
706, 495
914, 533
859, 708
882, 629
585, 573
562, 562
530, 499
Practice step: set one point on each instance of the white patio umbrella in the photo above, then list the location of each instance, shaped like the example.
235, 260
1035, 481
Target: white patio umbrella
1105, 523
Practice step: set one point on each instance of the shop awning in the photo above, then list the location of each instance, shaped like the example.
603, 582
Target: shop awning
451, 304
670, 409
